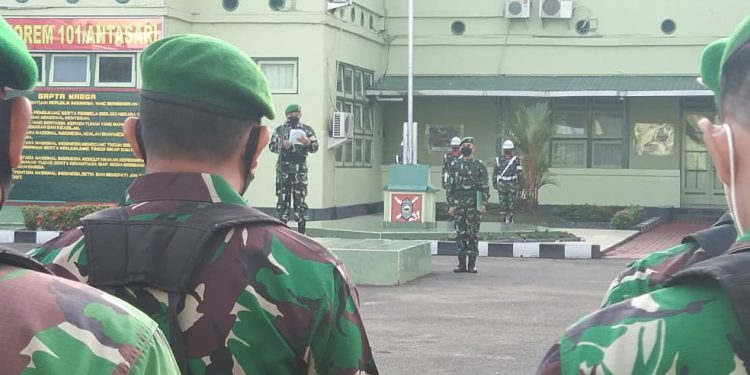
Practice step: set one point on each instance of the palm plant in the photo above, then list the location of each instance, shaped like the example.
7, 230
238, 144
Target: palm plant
531, 132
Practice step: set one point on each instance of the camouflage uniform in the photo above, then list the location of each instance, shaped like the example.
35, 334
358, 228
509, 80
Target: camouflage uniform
508, 184
683, 329
677, 330
469, 178
266, 300
448, 160
653, 271
71, 328
291, 171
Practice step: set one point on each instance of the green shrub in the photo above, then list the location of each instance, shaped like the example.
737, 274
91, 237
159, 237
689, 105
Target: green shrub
56, 218
586, 212
628, 217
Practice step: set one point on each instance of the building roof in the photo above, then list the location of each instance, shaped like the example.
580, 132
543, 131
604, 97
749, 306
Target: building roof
541, 86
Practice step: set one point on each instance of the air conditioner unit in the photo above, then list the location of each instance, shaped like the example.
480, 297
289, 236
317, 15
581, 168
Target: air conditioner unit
517, 8
342, 125
334, 4
556, 9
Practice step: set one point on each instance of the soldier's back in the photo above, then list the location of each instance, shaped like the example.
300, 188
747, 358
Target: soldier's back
51, 325
263, 300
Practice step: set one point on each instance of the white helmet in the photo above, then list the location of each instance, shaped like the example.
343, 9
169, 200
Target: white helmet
508, 145
455, 141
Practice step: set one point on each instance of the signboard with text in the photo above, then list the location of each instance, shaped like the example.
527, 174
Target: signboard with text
87, 34
75, 150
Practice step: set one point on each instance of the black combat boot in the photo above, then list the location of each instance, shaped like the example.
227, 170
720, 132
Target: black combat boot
301, 226
461, 264
473, 264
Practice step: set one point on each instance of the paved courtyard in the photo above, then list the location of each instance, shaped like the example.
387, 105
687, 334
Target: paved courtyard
500, 321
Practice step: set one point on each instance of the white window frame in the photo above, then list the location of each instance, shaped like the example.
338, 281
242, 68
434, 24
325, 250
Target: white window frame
133, 76
295, 79
42, 79
69, 84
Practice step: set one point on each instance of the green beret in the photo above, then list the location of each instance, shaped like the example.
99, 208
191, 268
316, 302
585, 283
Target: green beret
467, 140
710, 61
293, 108
714, 56
17, 68
206, 73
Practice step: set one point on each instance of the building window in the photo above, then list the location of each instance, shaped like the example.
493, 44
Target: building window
351, 86
588, 134
359, 91
41, 69
115, 70
348, 82
70, 70
281, 75
340, 80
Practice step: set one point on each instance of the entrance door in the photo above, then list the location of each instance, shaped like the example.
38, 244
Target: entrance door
700, 184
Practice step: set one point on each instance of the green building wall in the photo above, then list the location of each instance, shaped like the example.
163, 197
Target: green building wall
627, 40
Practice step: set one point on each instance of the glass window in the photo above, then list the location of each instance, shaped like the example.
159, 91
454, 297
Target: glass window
41, 69
608, 100
339, 106
348, 81
349, 153
359, 151
358, 118
70, 70
115, 70
608, 125
569, 154
358, 85
569, 124
368, 151
572, 101
281, 76
340, 80
349, 107
340, 155
367, 119
368, 80
606, 154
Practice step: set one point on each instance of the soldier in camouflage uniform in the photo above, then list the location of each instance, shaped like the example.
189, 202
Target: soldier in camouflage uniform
448, 160
50, 325
468, 193
291, 167
263, 299
686, 325
507, 178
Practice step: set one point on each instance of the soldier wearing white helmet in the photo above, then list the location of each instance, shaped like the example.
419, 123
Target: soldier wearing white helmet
507, 178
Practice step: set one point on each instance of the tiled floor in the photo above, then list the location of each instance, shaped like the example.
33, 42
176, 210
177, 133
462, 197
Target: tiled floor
662, 237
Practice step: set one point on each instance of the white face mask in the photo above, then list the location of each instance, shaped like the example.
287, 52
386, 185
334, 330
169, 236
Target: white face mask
730, 191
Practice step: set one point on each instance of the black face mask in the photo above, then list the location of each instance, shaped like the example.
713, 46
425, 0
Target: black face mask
293, 120
6, 172
465, 151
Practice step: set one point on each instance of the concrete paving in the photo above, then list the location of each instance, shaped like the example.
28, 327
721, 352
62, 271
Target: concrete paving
500, 321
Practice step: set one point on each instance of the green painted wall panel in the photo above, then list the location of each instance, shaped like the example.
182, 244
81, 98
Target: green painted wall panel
614, 187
